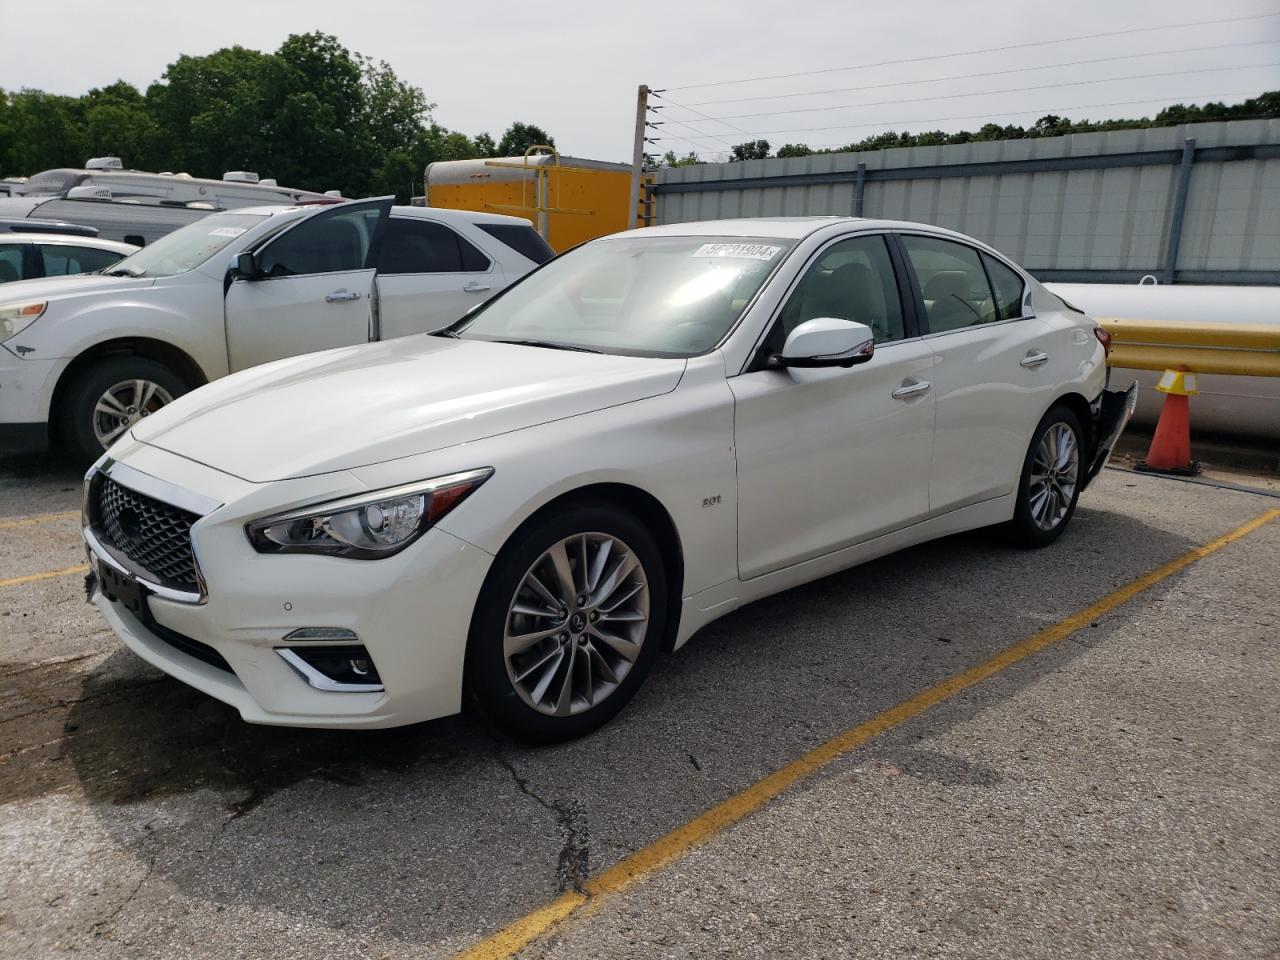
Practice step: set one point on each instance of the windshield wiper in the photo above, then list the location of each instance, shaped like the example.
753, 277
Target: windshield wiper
446, 332
123, 272
550, 344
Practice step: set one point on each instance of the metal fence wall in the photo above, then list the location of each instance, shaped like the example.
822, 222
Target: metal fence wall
1198, 203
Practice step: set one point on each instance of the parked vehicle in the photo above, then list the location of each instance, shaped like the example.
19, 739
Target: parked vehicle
643, 435
28, 256
138, 207
19, 225
90, 355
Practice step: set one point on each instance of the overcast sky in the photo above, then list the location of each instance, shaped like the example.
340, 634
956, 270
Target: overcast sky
572, 66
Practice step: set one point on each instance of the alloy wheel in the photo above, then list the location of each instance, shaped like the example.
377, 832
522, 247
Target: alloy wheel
1055, 472
123, 405
576, 624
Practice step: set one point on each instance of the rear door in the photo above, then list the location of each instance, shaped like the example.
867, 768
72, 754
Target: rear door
429, 275
314, 289
993, 377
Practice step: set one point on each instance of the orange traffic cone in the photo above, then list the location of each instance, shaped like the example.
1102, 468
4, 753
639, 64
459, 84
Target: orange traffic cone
1170, 450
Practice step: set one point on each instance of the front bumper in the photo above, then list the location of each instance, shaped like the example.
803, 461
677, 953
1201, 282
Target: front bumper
26, 389
412, 612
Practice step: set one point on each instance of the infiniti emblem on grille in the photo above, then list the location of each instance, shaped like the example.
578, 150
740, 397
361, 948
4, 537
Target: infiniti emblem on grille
130, 523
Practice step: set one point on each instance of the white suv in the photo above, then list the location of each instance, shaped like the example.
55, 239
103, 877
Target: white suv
90, 355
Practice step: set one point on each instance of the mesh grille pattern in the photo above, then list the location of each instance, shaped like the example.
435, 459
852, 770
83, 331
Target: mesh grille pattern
155, 536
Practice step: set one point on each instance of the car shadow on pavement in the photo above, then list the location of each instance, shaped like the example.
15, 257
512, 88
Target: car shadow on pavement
433, 833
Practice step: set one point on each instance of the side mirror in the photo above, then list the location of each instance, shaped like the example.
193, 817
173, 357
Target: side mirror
827, 342
246, 266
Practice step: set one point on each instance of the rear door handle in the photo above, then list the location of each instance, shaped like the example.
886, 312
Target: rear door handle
341, 296
1034, 359
474, 287
909, 390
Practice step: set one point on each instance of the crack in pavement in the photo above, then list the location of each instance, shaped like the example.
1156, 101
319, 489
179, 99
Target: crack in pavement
574, 862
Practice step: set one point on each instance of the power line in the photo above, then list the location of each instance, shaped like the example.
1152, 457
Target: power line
974, 76
968, 53
975, 116
982, 93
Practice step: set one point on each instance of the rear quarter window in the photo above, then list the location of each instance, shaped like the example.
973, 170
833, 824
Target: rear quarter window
525, 241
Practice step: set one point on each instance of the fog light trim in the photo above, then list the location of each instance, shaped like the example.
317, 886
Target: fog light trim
321, 682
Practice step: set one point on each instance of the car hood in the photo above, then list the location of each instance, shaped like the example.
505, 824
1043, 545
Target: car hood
356, 406
61, 288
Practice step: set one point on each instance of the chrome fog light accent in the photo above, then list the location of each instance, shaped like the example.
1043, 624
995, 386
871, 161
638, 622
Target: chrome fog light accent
347, 669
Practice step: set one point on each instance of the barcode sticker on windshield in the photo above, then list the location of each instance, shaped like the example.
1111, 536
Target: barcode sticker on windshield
745, 251
227, 232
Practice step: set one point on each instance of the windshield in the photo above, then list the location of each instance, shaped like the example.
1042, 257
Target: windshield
186, 248
640, 296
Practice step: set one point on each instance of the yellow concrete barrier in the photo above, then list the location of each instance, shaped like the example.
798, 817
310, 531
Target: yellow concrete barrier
1230, 349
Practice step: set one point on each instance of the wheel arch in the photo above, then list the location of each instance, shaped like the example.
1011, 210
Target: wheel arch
173, 357
1077, 404
650, 511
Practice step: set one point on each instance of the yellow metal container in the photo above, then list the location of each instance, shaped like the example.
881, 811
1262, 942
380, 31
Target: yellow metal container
568, 199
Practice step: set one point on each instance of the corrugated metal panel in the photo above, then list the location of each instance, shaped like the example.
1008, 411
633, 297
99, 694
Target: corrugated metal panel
1115, 218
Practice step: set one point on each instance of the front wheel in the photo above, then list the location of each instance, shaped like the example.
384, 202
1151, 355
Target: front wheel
1050, 483
568, 624
109, 398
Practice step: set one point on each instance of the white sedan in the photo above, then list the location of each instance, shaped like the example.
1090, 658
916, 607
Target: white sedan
639, 437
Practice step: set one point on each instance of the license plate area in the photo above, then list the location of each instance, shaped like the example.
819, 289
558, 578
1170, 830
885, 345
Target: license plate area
124, 590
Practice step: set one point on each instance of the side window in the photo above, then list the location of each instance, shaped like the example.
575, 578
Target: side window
952, 282
11, 261
1008, 287
851, 280
332, 242
61, 260
424, 246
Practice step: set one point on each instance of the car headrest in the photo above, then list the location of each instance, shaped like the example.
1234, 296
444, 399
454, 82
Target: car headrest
946, 284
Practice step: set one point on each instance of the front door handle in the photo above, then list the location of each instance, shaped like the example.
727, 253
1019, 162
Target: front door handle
1034, 359
474, 287
909, 390
341, 296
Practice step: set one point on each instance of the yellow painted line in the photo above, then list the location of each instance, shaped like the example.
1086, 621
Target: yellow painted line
644, 862
38, 518
46, 575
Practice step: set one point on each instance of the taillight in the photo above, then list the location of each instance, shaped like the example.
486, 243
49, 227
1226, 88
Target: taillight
1104, 338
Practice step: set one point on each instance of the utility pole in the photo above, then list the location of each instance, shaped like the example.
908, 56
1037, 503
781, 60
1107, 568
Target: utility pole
637, 154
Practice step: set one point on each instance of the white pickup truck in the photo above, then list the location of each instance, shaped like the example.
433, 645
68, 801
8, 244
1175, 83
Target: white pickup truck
83, 358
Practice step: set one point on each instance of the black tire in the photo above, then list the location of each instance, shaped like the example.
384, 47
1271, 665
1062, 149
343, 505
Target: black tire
487, 678
1024, 529
77, 414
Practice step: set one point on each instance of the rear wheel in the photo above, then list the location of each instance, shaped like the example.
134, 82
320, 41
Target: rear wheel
568, 624
109, 398
1050, 484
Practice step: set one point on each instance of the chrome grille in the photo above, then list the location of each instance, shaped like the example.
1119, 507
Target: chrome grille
153, 536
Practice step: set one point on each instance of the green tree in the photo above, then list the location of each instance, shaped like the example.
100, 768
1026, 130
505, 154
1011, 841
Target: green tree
751, 150
485, 146
519, 137
794, 150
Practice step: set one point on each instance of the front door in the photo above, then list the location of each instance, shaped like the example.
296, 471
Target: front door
831, 457
314, 289
994, 377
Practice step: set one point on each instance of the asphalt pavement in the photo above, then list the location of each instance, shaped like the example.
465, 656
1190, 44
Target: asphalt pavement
1114, 794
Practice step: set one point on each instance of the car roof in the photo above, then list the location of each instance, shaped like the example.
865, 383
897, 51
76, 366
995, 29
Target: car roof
69, 240
447, 215
791, 228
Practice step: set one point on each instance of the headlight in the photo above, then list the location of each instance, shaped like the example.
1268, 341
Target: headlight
367, 526
16, 317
